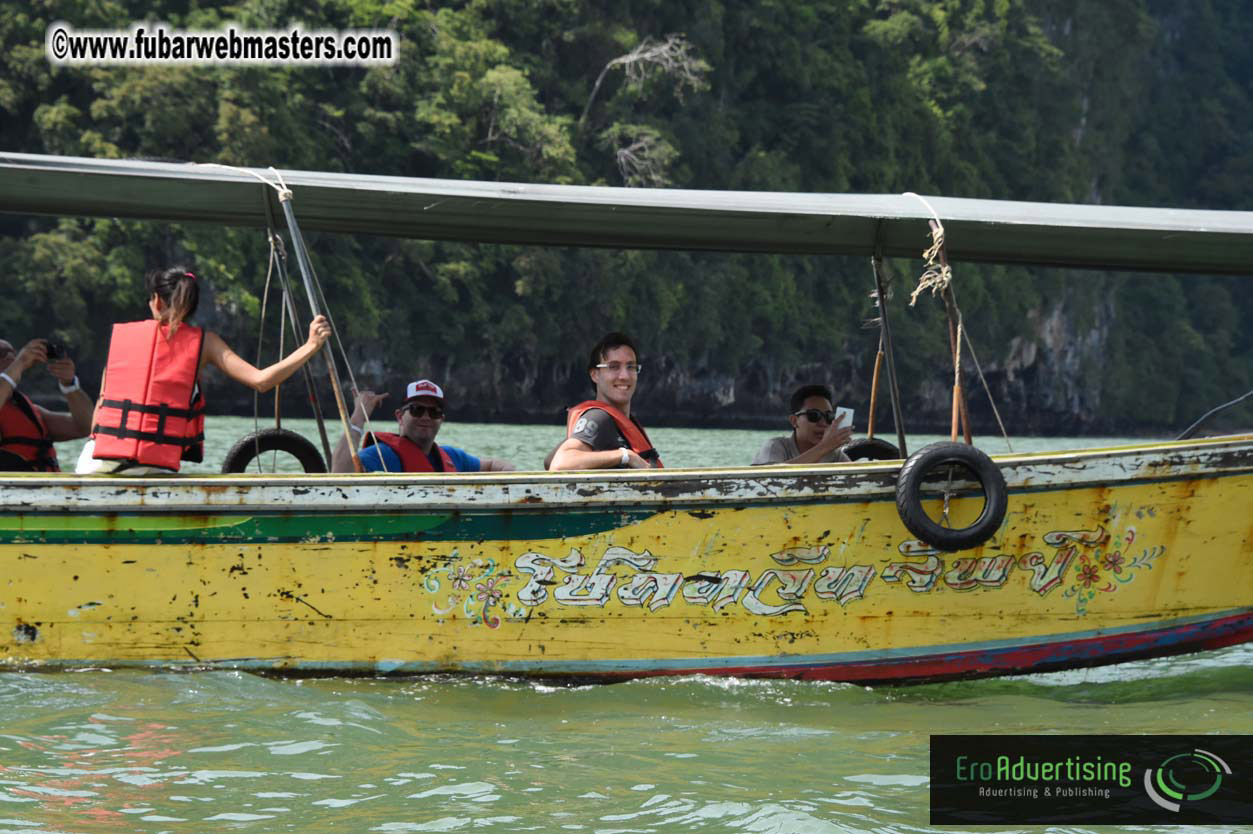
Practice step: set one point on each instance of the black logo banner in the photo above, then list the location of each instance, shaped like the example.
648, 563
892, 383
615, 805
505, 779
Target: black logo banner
1033, 780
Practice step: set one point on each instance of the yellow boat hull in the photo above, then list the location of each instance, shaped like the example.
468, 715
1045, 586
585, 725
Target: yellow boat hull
805, 572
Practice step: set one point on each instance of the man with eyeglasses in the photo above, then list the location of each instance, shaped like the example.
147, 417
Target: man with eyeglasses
601, 433
28, 430
815, 437
413, 447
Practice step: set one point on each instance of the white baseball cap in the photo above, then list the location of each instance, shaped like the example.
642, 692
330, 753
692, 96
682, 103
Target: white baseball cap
424, 388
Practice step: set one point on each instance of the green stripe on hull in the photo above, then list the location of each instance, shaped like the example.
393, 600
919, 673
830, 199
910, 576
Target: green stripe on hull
311, 527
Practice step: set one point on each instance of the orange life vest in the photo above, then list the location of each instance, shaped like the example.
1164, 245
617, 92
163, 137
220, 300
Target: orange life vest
629, 427
24, 435
411, 457
151, 410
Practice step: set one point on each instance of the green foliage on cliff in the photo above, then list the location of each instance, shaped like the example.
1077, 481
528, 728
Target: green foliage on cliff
1137, 102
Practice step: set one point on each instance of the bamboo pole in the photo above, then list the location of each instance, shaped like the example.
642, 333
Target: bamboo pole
874, 388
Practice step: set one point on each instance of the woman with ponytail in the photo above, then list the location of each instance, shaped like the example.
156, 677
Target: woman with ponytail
150, 415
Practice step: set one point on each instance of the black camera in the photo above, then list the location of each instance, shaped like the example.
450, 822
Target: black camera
55, 350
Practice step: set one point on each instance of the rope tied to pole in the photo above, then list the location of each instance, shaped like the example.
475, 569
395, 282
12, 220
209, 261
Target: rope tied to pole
284, 193
938, 278
937, 275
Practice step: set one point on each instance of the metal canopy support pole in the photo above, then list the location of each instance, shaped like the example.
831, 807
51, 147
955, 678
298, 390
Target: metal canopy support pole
308, 375
306, 275
290, 306
885, 331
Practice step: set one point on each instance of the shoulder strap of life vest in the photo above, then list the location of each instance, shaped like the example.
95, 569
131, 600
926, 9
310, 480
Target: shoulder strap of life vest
411, 457
151, 410
630, 428
24, 433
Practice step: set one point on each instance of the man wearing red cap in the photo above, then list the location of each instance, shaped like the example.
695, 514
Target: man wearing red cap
413, 447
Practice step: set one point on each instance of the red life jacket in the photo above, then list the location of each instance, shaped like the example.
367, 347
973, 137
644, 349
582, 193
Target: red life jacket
629, 427
151, 410
24, 435
411, 457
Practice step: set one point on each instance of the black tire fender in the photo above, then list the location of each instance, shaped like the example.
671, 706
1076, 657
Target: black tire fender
871, 448
250, 446
909, 496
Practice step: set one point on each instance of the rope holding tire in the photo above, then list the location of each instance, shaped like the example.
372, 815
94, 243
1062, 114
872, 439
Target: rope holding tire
928, 460
871, 448
251, 446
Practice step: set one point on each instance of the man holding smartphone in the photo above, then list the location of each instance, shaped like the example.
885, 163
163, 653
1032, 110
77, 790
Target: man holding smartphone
819, 432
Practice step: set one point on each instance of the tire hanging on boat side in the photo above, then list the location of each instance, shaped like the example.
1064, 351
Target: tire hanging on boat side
909, 496
871, 448
250, 446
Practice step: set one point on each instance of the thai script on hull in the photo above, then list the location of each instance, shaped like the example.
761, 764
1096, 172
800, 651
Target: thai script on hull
630, 578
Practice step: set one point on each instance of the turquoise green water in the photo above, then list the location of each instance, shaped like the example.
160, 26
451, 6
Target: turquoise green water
526, 445
126, 751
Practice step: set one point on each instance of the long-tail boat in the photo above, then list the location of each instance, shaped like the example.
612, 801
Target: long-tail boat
1096, 557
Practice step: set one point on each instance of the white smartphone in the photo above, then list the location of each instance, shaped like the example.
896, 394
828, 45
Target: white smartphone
844, 417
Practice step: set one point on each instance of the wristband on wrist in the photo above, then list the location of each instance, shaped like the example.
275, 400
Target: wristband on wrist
626, 457
9, 380
71, 388
357, 429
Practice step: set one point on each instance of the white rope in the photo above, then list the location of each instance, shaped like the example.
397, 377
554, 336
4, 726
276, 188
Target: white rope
280, 186
923, 200
284, 193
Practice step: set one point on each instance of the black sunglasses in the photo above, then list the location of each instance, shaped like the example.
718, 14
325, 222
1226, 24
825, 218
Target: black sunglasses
417, 410
813, 415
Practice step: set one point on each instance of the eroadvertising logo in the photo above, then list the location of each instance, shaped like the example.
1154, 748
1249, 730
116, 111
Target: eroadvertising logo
1044, 779
1185, 777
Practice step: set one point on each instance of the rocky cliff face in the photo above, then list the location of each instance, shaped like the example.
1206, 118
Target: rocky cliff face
1045, 381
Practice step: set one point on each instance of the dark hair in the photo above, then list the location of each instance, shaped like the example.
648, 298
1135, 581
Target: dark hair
179, 292
607, 343
805, 392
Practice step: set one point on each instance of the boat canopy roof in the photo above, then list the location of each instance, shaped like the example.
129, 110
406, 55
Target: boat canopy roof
1053, 234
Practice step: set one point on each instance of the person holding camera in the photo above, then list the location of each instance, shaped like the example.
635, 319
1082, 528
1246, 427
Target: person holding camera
27, 430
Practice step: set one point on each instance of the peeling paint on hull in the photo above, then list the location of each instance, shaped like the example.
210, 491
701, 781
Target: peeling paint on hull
1104, 556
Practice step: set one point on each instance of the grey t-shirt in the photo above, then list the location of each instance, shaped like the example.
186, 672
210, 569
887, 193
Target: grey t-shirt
783, 449
598, 430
